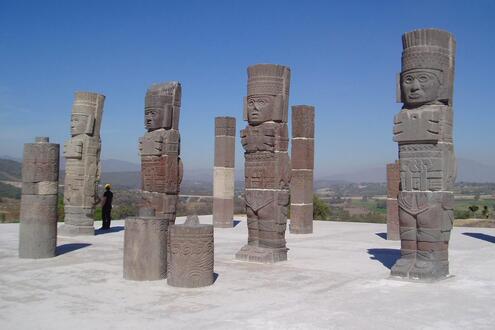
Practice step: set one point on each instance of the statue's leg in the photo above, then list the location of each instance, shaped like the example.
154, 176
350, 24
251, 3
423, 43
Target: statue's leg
407, 225
253, 226
434, 226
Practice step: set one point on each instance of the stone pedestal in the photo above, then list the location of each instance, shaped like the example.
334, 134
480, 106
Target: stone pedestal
83, 168
302, 155
145, 248
38, 217
223, 172
191, 255
393, 183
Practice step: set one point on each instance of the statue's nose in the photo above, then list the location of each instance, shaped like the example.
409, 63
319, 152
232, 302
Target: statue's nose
415, 85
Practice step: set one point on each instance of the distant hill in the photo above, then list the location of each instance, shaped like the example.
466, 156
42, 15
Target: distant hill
10, 170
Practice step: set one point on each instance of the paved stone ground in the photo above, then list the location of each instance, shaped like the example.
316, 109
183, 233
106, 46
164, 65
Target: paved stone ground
335, 278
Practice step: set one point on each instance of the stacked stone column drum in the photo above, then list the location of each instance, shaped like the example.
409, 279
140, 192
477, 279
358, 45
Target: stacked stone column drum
38, 218
191, 254
267, 163
393, 184
423, 131
223, 172
145, 247
83, 168
302, 155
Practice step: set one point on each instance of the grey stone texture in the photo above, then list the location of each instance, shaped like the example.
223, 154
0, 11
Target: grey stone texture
145, 247
191, 254
161, 166
223, 172
423, 131
267, 169
83, 167
302, 155
393, 184
39, 200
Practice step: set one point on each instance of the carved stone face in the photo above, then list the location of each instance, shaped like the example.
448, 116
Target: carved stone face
420, 86
78, 124
153, 118
260, 108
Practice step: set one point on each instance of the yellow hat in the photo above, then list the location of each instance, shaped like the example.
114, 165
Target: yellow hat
108, 186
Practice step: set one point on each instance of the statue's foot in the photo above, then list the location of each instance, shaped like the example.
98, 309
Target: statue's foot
404, 265
263, 255
429, 266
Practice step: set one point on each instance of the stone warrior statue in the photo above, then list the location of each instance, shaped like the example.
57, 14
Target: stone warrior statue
423, 130
82, 169
161, 166
267, 164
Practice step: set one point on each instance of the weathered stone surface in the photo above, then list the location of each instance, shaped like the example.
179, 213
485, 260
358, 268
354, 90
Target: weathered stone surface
223, 209
38, 216
145, 248
301, 218
161, 166
423, 130
191, 255
302, 153
83, 168
393, 185
393, 233
267, 164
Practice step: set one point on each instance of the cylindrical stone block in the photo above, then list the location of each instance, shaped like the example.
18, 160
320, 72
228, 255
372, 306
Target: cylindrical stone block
302, 169
38, 216
145, 249
223, 172
191, 256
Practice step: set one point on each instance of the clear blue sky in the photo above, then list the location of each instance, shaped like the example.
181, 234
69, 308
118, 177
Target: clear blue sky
344, 57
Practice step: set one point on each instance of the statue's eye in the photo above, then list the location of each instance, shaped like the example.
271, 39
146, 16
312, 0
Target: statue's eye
408, 79
250, 103
423, 78
261, 102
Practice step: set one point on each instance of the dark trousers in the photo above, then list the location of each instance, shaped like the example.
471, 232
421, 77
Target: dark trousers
106, 214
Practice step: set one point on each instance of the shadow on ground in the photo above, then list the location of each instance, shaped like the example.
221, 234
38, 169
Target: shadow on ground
236, 222
382, 235
69, 247
108, 231
215, 277
387, 257
484, 237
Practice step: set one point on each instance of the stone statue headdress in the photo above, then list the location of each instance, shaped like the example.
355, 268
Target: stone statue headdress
166, 98
270, 79
430, 49
89, 105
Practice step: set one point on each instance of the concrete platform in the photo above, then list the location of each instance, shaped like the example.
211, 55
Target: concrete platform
335, 278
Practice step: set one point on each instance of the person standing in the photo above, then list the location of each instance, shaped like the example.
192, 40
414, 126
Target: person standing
106, 203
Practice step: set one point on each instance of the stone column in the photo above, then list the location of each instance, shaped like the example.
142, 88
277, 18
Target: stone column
161, 166
145, 247
39, 200
302, 155
267, 163
393, 183
223, 172
191, 254
83, 168
423, 131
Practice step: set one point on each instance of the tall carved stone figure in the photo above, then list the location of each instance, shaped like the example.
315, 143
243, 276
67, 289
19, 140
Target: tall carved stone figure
161, 166
267, 164
38, 218
393, 184
223, 172
423, 130
83, 168
301, 184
